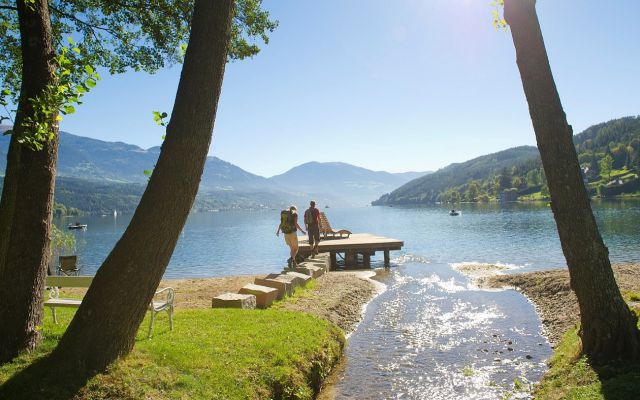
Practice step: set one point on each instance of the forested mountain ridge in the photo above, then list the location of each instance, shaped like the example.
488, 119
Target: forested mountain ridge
435, 186
609, 155
95, 176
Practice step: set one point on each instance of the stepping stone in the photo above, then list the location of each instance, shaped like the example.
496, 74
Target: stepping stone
294, 281
234, 300
310, 270
324, 266
304, 277
282, 286
264, 295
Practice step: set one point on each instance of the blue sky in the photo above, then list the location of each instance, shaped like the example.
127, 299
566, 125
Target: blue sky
403, 85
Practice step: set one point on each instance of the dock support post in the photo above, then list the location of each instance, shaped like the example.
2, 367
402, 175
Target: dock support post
334, 261
387, 262
366, 260
350, 259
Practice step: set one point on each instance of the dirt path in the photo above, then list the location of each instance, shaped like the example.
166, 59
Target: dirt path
554, 300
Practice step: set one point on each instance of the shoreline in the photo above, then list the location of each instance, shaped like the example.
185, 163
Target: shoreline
549, 291
340, 297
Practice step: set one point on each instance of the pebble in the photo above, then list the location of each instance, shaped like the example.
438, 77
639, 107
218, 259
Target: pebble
510, 348
528, 357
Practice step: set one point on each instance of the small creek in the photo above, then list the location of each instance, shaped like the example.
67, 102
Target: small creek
434, 335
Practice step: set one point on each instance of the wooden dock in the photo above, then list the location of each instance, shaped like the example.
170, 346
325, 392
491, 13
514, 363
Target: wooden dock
356, 246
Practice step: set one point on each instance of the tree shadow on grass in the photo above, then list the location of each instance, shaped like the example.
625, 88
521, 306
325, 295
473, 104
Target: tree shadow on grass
619, 381
44, 379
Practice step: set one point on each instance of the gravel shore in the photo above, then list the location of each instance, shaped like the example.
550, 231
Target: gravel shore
337, 296
554, 300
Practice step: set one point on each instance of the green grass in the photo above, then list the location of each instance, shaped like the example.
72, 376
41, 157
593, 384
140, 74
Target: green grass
570, 376
212, 354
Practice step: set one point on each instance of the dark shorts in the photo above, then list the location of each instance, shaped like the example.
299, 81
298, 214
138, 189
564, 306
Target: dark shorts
314, 234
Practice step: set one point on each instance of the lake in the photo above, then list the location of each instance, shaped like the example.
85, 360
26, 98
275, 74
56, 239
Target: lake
244, 242
432, 334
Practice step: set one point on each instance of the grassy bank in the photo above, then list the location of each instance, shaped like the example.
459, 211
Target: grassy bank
571, 376
212, 354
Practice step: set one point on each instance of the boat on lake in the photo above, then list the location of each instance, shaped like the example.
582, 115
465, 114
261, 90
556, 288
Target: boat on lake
77, 225
454, 213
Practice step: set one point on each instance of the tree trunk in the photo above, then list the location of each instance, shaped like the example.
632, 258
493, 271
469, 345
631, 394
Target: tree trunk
608, 328
27, 197
106, 323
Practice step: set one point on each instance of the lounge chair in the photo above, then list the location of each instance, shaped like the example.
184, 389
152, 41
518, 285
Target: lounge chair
68, 265
325, 228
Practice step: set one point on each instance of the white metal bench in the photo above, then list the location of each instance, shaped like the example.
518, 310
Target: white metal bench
54, 283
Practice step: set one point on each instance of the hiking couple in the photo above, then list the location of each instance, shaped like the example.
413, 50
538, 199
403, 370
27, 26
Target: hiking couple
289, 226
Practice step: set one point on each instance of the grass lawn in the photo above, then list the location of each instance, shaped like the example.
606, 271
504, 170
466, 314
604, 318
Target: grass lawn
570, 376
211, 354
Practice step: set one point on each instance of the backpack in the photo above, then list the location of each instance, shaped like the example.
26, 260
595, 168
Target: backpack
287, 222
309, 218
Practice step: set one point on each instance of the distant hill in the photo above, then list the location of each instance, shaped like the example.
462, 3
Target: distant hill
97, 160
97, 176
517, 172
429, 188
353, 184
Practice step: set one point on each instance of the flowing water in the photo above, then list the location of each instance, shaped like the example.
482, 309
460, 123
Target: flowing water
432, 334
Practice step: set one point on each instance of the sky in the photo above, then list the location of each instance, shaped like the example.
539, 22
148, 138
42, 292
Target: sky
404, 85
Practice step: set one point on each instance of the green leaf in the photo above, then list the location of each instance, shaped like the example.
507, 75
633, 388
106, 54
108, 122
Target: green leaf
88, 69
91, 83
69, 109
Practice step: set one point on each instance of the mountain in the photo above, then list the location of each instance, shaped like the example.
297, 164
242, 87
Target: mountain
343, 182
97, 176
97, 160
428, 188
517, 172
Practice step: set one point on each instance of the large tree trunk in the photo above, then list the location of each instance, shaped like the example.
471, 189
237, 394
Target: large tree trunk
106, 323
608, 328
27, 197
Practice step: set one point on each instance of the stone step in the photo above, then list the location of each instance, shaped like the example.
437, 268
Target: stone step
293, 280
234, 300
265, 295
304, 277
283, 286
311, 270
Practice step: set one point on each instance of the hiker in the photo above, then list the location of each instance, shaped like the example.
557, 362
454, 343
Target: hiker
289, 226
312, 223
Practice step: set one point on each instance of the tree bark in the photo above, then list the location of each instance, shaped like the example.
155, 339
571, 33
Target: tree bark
608, 328
106, 323
27, 197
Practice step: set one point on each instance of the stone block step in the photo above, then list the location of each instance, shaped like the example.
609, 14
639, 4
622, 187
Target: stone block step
293, 280
234, 300
283, 286
304, 277
264, 295
311, 270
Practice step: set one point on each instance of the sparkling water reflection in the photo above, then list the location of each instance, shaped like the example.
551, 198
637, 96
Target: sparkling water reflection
433, 335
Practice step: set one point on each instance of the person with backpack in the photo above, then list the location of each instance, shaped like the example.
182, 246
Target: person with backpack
312, 223
289, 226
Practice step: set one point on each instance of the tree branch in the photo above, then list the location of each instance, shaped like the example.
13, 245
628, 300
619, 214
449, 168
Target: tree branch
9, 8
81, 22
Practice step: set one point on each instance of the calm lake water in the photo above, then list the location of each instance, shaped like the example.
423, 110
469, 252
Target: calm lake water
432, 334
244, 242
